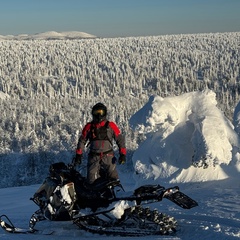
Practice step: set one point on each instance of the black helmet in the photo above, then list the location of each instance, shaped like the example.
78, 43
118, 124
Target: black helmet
99, 112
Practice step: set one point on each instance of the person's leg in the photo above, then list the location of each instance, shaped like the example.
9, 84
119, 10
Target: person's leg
93, 168
109, 162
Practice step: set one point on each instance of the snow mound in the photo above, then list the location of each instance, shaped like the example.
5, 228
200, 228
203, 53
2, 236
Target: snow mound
186, 139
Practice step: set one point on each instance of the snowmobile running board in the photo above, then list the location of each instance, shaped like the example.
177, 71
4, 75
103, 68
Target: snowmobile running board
173, 194
180, 199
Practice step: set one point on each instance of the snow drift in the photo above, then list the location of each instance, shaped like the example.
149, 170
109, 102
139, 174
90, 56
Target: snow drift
186, 139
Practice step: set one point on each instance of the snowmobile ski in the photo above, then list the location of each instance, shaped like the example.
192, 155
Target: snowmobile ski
9, 227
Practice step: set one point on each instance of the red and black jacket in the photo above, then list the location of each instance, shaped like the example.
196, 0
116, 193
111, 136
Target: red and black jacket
99, 138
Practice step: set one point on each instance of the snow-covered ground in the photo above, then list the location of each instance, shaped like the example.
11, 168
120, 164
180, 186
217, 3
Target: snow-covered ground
176, 131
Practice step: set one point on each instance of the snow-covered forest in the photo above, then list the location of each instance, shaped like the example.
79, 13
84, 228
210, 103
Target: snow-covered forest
47, 89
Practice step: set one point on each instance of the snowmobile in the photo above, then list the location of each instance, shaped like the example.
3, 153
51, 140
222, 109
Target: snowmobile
103, 207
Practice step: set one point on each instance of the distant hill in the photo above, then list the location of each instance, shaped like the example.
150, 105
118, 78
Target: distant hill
51, 35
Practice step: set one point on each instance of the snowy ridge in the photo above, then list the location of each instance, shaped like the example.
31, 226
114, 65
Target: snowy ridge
50, 35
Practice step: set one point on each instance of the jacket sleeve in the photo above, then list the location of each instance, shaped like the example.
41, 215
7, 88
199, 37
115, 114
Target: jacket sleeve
119, 138
83, 139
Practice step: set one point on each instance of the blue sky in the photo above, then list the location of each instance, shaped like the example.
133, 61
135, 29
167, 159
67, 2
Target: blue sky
119, 18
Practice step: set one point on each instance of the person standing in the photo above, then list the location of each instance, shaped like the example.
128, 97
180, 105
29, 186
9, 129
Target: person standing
98, 136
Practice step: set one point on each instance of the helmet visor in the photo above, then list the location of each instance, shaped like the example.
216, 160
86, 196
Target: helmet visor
100, 112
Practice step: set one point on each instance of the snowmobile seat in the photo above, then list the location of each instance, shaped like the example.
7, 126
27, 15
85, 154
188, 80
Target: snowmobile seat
102, 183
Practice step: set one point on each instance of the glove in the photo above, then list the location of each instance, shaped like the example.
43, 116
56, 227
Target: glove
77, 160
122, 159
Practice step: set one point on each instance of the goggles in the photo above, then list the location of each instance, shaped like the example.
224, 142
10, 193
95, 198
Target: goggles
100, 112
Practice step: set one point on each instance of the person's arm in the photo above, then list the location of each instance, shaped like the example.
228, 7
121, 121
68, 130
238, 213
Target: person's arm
120, 141
81, 144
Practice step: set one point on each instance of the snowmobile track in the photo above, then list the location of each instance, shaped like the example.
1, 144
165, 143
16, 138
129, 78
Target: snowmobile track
136, 221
